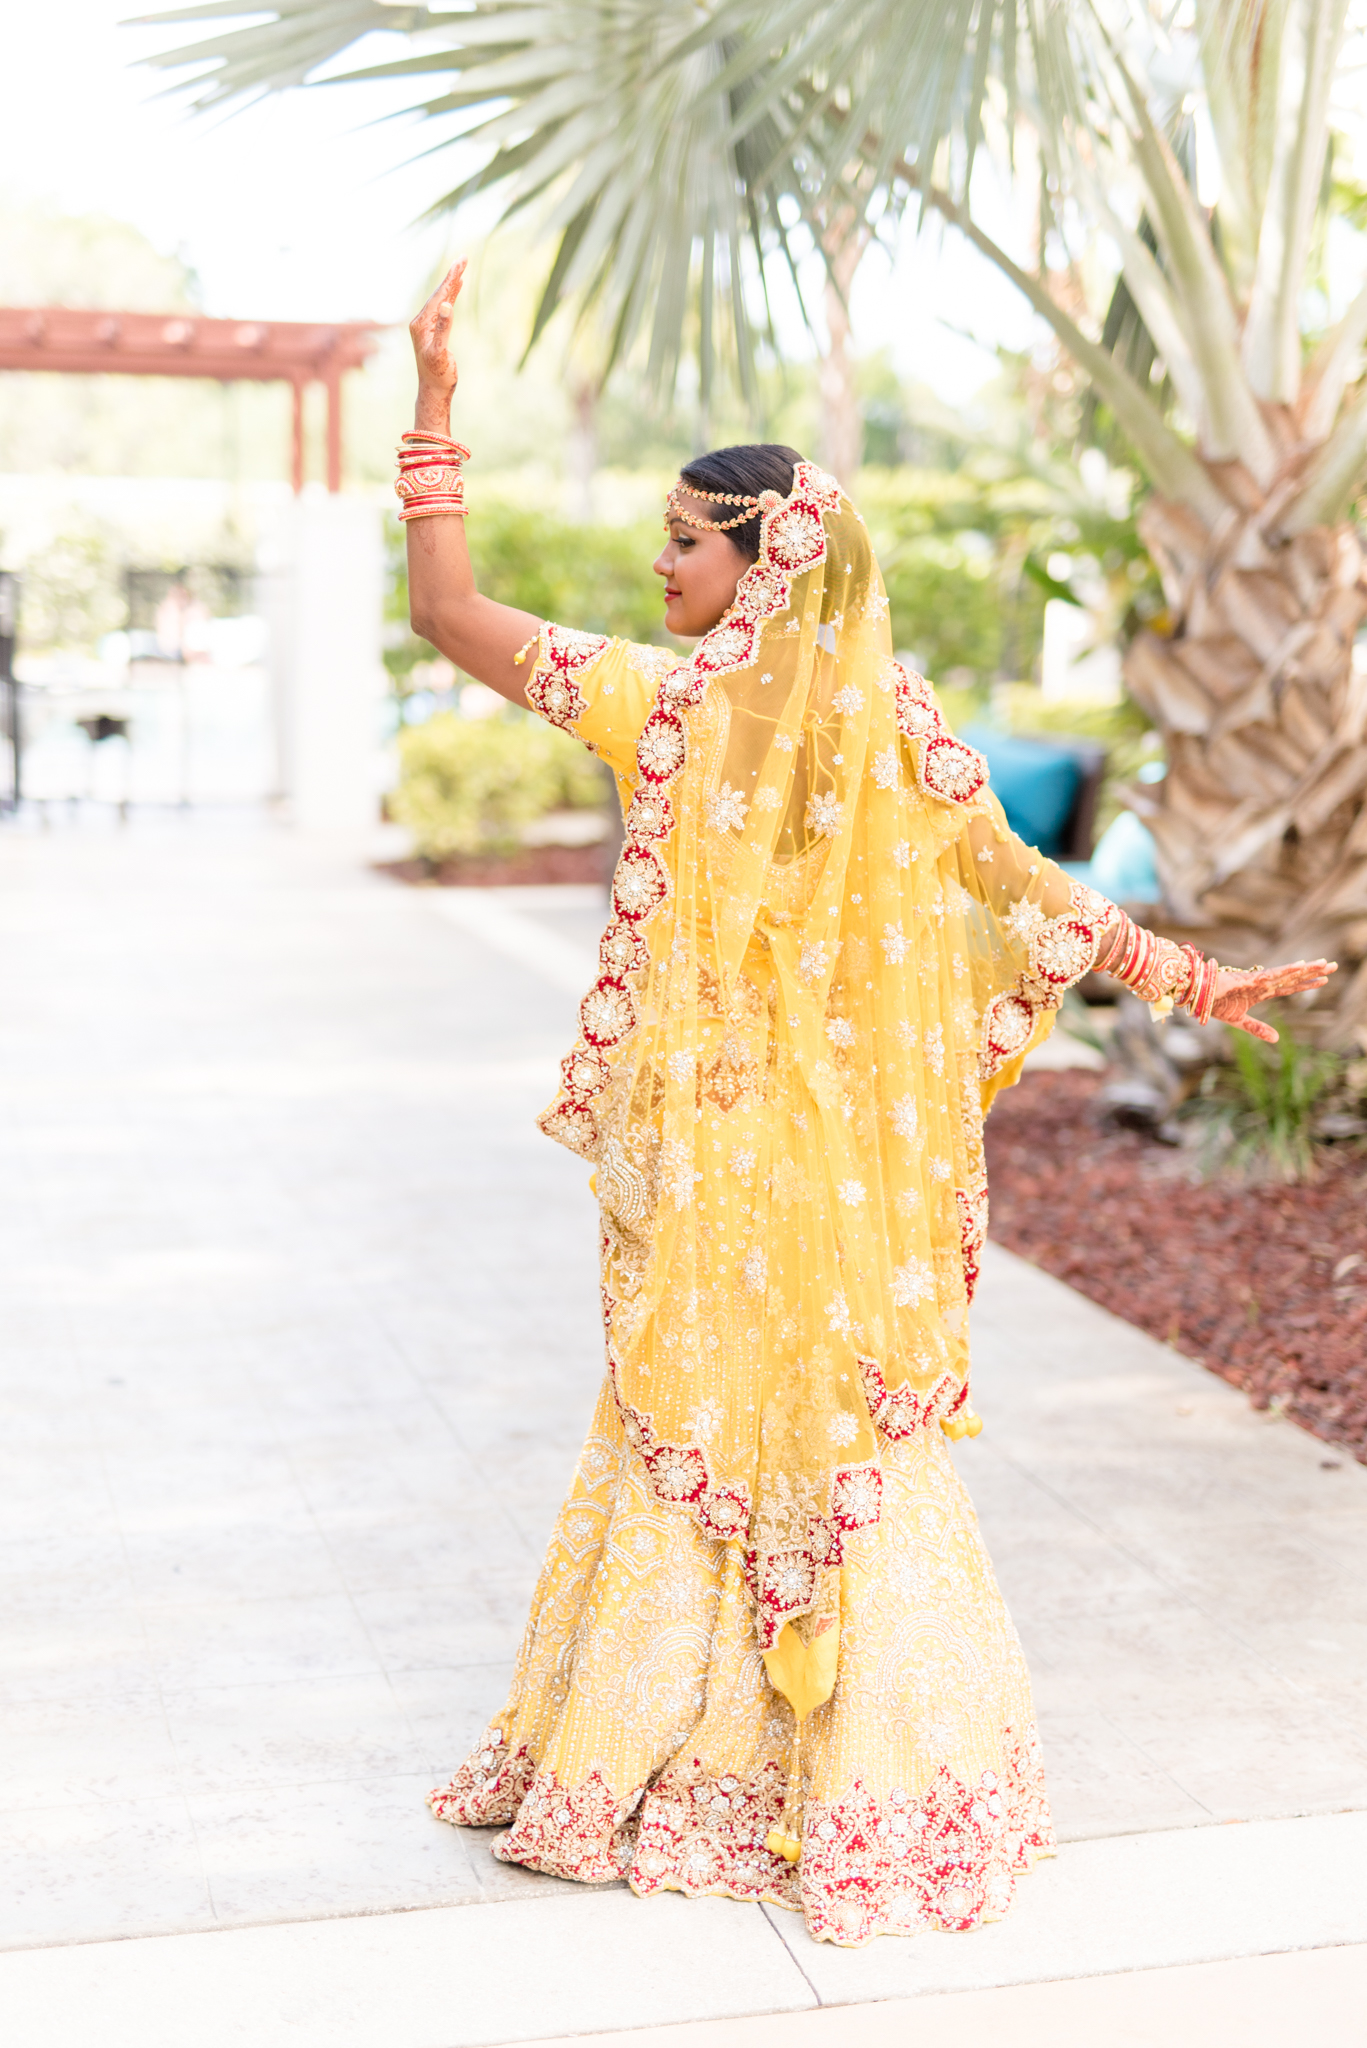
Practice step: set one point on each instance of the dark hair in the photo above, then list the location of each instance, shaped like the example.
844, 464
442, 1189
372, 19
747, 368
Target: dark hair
743, 472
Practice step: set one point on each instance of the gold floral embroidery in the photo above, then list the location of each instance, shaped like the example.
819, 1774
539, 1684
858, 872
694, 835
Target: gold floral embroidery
642, 1738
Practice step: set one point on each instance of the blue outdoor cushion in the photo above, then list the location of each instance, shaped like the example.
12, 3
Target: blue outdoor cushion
1123, 866
1035, 783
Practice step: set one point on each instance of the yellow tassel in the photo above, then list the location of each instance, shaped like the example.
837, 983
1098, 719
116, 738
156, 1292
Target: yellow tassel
805, 1675
804, 1672
965, 1423
786, 1840
593, 1181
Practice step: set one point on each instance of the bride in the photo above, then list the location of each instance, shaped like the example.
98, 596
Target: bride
767, 1656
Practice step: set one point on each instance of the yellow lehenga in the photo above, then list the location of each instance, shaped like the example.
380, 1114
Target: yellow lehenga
826, 952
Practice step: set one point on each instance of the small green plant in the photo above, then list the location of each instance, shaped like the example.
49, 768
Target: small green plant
469, 785
1259, 1113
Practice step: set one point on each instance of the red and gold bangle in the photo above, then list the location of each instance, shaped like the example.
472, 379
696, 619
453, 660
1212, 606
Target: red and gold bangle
453, 450
1109, 961
430, 480
1200, 996
1160, 972
426, 492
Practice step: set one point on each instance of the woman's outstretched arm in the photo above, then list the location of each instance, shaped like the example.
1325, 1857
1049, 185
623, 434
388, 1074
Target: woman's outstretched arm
1139, 959
444, 606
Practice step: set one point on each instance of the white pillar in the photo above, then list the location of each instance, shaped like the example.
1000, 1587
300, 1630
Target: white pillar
330, 671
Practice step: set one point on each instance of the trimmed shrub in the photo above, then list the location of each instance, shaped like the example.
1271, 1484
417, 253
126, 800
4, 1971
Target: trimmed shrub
469, 785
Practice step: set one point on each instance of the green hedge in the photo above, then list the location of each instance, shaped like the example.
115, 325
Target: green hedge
469, 785
597, 578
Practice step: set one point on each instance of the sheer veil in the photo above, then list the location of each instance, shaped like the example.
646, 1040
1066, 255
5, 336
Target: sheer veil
826, 952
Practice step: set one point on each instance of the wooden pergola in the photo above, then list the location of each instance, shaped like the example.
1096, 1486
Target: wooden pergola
293, 352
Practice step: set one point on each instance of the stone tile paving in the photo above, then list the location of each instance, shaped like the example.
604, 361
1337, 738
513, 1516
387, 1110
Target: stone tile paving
299, 1347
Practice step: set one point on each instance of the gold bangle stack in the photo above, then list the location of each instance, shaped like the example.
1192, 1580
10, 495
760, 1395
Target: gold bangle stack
430, 479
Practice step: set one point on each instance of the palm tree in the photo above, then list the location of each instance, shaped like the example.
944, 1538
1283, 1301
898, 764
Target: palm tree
1259, 453
666, 141
601, 114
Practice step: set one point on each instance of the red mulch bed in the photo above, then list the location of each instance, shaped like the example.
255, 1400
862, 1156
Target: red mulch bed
1240, 1277
530, 865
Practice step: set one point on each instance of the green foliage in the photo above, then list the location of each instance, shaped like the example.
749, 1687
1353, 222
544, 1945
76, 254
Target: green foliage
597, 578
972, 551
72, 592
1259, 1114
469, 785
947, 605
949, 552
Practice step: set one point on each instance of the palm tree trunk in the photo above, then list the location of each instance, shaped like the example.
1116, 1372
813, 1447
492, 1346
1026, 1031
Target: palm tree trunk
842, 424
1261, 822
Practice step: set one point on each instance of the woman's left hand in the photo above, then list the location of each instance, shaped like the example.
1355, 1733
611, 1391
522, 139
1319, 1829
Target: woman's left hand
1237, 991
433, 349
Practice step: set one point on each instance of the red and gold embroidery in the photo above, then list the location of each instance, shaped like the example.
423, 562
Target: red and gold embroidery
783, 1582
971, 1204
947, 1857
553, 686
793, 541
945, 767
1060, 951
488, 1788
898, 1412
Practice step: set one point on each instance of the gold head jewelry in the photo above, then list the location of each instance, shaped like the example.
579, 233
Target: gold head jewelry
753, 507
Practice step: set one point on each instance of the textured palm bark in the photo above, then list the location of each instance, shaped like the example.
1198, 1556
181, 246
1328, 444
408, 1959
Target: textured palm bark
842, 420
1261, 822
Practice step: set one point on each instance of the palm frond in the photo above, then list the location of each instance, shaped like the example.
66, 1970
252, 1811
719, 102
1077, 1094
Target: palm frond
269, 56
1311, 41
670, 149
1240, 46
1334, 477
607, 115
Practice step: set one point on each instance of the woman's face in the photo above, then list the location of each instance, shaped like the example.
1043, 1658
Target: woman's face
701, 571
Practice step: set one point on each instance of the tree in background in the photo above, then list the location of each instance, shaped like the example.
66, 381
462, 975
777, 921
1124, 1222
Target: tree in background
604, 116
664, 143
1251, 427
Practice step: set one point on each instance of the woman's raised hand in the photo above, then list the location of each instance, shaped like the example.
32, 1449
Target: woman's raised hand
1237, 991
432, 339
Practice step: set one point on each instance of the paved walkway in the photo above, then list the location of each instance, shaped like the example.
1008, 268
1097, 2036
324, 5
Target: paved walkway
300, 1343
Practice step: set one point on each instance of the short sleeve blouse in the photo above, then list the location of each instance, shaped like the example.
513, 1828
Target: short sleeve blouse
599, 689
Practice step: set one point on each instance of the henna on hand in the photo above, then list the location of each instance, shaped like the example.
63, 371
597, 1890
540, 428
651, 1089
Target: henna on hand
431, 335
1160, 972
1238, 990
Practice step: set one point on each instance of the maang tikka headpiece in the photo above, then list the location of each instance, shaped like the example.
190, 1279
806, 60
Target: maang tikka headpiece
753, 507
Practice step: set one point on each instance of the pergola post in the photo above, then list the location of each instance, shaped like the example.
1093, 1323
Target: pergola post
334, 391
297, 445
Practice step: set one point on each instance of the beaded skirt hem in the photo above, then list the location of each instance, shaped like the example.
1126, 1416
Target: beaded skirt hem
642, 1740
949, 1859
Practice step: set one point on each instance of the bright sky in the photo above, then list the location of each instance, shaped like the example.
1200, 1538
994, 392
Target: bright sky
300, 207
